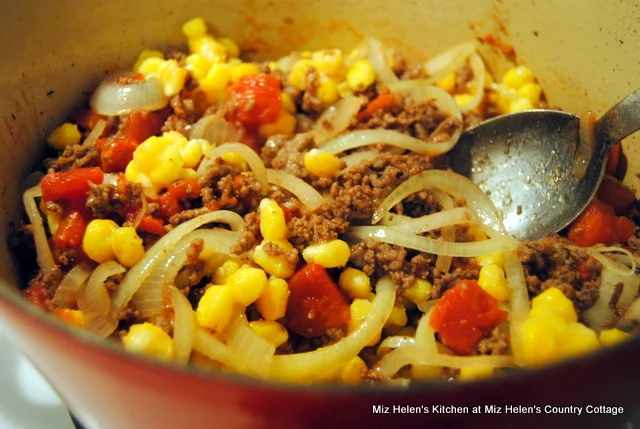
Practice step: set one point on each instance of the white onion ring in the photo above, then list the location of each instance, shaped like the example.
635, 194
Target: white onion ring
617, 268
378, 59
457, 216
520, 304
306, 193
142, 211
394, 342
96, 132
43, 251
67, 291
335, 119
184, 326
252, 353
448, 61
114, 99
479, 75
357, 158
94, 299
252, 158
215, 129
443, 263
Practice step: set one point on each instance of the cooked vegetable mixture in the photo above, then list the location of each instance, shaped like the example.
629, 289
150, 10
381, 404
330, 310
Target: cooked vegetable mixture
297, 220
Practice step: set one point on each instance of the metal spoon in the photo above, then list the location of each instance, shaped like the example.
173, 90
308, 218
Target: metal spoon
525, 160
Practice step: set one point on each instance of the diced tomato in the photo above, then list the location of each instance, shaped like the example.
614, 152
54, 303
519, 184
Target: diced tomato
288, 213
36, 295
151, 225
169, 202
116, 153
382, 101
598, 223
315, 303
464, 314
142, 125
72, 317
71, 229
623, 229
615, 194
257, 99
88, 119
70, 185
614, 159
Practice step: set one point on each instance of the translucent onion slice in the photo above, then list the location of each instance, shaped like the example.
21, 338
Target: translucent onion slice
611, 265
378, 59
96, 132
457, 216
425, 338
67, 291
479, 76
141, 271
426, 306
102, 326
252, 354
631, 316
209, 345
454, 184
184, 326
359, 157
142, 211
520, 304
306, 193
392, 235
113, 99
150, 298
311, 365
43, 251
443, 263
94, 299
335, 119
448, 61
394, 342
252, 158
215, 129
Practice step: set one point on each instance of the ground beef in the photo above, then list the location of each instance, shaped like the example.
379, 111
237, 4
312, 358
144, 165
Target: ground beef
273, 250
225, 185
299, 344
418, 204
121, 200
49, 282
112, 283
310, 102
193, 251
463, 76
326, 223
493, 343
76, 156
553, 262
444, 281
186, 215
250, 234
287, 154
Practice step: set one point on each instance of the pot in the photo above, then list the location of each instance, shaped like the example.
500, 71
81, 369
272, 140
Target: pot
584, 54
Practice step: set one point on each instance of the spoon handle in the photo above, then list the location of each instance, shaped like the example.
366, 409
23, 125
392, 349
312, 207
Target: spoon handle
620, 121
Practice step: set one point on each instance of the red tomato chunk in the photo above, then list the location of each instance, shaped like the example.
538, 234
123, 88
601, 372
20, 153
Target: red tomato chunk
71, 185
257, 98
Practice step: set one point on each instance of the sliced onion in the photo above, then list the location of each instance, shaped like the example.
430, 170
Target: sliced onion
611, 265
110, 179
252, 158
67, 291
390, 219
310, 365
426, 306
443, 263
43, 251
631, 316
520, 304
149, 299
448, 61
457, 216
142, 211
96, 132
215, 129
113, 99
378, 59
306, 193
425, 335
357, 158
479, 75
102, 326
94, 299
392, 235
252, 354
335, 119
184, 325
394, 342
587, 144
141, 271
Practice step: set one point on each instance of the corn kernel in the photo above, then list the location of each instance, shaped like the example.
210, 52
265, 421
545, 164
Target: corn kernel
359, 310
354, 371
361, 75
285, 124
420, 291
553, 301
327, 90
198, 65
145, 54
97, 238
273, 225
305, 54
516, 77
247, 284
298, 76
538, 340
273, 66
322, 163
448, 83
233, 51
578, 340
127, 246
398, 316
148, 339
188, 174
505, 98
173, 78
151, 66
287, 103
222, 273
492, 258
272, 304
462, 99
215, 84
211, 49
68, 316
330, 254
243, 69
493, 281
65, 135
273, 332
355, 283
520, 105
203, 361
191, 154
610, 337
195, 27
530, 91
215, 308
235, 159
329, 61
344, 90
279, 266
468, 374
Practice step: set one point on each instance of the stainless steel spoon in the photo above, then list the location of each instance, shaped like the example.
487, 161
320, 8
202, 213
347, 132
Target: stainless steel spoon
525, 160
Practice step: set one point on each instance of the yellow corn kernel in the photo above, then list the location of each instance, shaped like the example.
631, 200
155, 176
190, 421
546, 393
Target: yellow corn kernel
215, 84
273, 225
493, 281
127, 246
195, 27
188, 174
148, 339
327, 90
278, 266
578, 340
273, 66
238, 160
305, 54
420, 291
247, 284
65, 135
215, 308
398, 316
505, 97
530, 91
211, 49
173, 78
222, 273
468, 374
273, 332
96, 242
321, 163
70, 317
516, 77
492, 258
355, 283
329, 61
298, 76
553, 301
157, 158
145, 54
330, 254
243, 69
287, 103
191, 154
285, 124
233, 50
203, 361
610, 337
272, 304
361, 75
538, 340
448, 83
354, 371
344, 90
462, 99
359, 310
198, 65
520, 105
